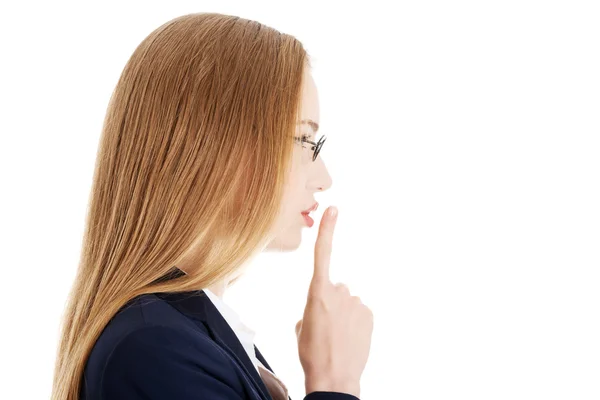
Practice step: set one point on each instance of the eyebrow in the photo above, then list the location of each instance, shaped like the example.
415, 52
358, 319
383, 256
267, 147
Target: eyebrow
312, 124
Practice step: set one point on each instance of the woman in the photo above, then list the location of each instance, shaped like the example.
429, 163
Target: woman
207, 157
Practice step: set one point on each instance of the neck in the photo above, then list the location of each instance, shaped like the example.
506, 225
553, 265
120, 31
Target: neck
218, 288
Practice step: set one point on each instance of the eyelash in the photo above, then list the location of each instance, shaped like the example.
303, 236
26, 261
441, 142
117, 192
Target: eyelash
304, 138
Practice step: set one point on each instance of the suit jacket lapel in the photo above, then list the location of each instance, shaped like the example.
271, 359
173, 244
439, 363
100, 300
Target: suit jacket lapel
265, 363
262, 359
197, 305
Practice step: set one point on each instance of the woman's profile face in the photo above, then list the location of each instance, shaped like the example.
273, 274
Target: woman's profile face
306, 178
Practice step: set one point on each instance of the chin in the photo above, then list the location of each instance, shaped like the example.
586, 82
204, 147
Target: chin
288, 240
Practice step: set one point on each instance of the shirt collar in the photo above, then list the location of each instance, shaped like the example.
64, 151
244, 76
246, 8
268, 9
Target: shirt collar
244, 333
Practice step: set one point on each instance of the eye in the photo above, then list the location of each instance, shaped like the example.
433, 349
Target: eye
302, 139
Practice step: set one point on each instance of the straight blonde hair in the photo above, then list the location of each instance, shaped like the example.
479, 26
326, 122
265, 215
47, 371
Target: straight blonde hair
195, 149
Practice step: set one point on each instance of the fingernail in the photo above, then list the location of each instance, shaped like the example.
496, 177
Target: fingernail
333, 211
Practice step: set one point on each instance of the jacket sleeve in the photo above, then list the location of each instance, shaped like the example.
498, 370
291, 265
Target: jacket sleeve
160, 363
330, 396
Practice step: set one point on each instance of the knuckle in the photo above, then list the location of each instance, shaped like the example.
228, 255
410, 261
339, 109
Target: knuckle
320, 286
314, 293
319, 293
342, 288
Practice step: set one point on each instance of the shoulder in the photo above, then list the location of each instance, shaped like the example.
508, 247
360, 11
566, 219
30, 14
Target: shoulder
136, 317
153, 348
157, 362
148, 339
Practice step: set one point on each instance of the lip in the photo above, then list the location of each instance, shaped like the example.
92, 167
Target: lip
308, 220
313, 208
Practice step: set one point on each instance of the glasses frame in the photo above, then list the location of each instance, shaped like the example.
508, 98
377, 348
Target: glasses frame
316, 147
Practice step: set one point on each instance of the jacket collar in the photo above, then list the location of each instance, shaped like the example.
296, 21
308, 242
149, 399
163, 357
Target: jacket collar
198, 306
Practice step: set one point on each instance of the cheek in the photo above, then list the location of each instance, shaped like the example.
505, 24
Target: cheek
293, 205
295, 197
294, 200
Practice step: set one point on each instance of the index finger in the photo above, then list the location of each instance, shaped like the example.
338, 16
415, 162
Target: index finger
323, 245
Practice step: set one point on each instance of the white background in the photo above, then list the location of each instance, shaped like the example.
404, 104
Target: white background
463, 143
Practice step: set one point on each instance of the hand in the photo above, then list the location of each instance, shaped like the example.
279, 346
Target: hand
334, 335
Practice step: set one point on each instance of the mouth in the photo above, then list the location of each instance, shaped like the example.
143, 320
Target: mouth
308, 220
313, 208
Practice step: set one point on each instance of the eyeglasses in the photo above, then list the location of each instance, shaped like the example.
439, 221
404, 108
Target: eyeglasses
316, 146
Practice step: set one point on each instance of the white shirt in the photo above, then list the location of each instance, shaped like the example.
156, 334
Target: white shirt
276, 387
241, 330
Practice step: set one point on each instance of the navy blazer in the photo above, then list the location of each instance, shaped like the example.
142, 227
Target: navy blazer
175, 346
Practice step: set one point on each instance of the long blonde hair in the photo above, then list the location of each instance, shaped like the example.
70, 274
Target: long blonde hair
196, 145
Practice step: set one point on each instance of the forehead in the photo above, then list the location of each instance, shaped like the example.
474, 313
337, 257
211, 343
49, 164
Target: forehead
310, 99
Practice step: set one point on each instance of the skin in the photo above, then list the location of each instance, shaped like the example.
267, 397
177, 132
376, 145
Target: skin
334, 334
306, 178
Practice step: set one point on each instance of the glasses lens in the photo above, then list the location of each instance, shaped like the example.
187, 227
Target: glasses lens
318, 147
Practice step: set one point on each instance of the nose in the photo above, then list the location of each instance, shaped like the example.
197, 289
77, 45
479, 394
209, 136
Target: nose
320, 179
